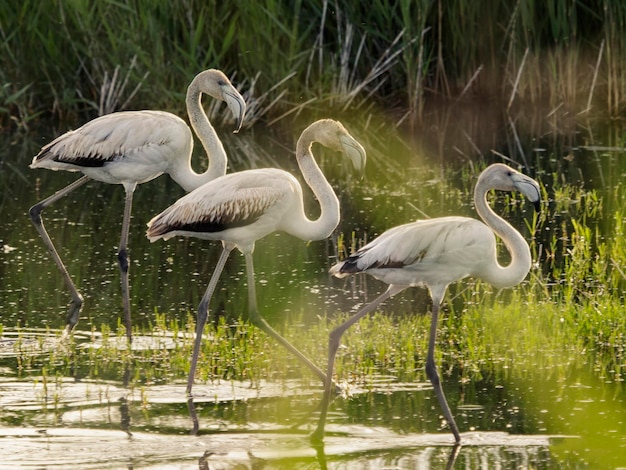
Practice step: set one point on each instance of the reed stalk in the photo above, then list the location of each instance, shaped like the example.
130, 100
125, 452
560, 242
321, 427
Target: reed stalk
62, 57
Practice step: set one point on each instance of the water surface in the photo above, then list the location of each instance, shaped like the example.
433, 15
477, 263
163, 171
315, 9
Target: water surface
571, 416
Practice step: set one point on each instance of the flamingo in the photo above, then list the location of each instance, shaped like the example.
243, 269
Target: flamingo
241, 208
130, 148
435, 253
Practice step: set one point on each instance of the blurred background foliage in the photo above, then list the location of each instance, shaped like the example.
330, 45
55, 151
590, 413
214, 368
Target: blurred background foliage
71, 60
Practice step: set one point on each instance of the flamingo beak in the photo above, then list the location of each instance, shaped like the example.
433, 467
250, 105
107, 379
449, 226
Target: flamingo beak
529, 188
354, 151
236, 104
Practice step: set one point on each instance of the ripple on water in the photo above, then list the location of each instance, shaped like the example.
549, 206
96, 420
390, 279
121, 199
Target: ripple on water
90, 448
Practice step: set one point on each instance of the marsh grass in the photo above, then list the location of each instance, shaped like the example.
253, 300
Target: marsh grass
569, 309
65, 58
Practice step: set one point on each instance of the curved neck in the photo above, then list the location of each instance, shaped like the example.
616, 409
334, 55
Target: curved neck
185, 176
328, 219
503, 276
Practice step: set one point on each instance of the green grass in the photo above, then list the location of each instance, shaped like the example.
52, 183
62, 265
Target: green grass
71, 60
568, 308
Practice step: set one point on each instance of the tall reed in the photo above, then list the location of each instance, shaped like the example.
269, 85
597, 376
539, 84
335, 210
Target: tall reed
58, 57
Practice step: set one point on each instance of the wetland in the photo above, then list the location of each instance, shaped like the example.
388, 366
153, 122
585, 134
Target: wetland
533, 373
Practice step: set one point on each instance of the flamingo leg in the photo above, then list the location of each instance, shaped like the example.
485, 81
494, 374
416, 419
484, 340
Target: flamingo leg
433, 375
333, 344
191, 407
203, 313
260, 322
122, 258
76, 304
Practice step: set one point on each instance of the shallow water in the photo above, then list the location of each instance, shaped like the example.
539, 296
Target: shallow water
565, 417
538, 418
58, 422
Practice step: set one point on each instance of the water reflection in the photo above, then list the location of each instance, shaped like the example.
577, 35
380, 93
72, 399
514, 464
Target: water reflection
513, 417
529, 417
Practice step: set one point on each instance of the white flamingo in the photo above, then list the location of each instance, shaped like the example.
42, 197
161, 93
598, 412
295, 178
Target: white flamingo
241, 208
435, 253
130, 148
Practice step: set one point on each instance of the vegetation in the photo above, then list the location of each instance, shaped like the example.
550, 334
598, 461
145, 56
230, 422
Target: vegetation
456, 79
566, 317
72, 60
571, 303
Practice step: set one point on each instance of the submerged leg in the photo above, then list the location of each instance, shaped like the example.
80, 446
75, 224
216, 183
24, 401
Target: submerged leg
333, 344
259, 321
203, 313
122, 259
191, 406
433, 375
76, 304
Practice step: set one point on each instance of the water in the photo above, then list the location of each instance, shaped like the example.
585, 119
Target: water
149, 426
570, 416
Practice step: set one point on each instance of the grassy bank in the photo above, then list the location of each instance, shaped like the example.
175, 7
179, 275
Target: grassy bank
72, 60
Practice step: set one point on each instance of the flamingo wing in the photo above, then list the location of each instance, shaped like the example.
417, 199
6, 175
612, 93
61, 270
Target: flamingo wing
232, 201
458, 243
112, 137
